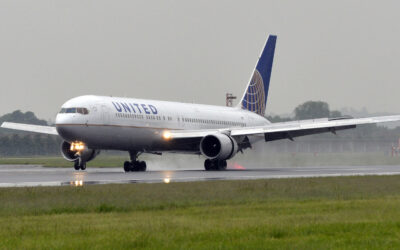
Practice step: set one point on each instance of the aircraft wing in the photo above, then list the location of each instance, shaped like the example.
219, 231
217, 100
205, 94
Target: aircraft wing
30, 128
286, 130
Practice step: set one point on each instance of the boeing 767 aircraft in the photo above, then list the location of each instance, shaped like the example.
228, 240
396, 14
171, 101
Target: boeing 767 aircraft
88, 124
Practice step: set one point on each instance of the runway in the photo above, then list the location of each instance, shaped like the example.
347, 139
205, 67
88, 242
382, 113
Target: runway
30, 175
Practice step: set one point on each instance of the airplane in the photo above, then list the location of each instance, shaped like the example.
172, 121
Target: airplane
88, 124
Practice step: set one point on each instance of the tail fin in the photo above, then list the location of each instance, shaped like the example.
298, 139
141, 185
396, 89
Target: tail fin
255, 97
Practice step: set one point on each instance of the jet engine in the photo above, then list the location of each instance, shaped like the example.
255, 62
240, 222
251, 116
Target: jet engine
218, 146
77, 150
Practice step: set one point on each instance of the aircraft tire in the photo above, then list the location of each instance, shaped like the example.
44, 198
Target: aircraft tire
208, 165
127, 166
221, 165
83, 167
135, 166
142, 166
76, 166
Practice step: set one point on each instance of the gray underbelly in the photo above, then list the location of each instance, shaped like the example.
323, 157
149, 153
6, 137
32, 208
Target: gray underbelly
111, 137
125, 138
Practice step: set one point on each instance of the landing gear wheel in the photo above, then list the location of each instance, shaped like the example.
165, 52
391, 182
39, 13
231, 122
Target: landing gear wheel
77, 166
221, 165
127, 166
142, 166
138, 166
134, 165
208, 165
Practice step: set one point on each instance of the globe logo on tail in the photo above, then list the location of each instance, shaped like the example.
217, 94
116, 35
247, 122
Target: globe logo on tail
254, 99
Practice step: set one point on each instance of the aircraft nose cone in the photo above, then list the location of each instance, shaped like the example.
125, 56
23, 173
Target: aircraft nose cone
64, 127
65, 132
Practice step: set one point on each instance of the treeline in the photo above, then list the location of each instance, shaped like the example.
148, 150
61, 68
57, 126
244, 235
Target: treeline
309, 110
318, 109
365, 138
29, 145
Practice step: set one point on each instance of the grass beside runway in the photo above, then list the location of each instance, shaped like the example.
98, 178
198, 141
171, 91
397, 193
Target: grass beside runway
250, 160
325, 213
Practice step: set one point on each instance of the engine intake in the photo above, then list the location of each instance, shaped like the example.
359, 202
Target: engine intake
218, 146
85, 155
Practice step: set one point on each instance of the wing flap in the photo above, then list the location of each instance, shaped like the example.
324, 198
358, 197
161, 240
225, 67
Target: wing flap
292, 134
30, 128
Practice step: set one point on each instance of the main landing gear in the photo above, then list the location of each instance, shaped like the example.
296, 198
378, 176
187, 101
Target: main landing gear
215, 165
134, 165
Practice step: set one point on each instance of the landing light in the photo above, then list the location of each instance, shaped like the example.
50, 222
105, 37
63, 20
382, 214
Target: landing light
77, 146
166, 135
166, 180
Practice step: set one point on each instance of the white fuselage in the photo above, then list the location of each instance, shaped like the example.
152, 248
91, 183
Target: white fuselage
137, 124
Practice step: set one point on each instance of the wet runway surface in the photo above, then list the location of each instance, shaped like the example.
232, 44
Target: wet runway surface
27, 175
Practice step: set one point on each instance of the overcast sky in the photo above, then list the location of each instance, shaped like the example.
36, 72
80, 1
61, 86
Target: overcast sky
344, 52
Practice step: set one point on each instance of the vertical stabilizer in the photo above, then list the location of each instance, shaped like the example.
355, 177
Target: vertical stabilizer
256, 94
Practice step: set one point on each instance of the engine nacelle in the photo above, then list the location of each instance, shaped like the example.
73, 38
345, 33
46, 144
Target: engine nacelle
85, 155
218, 146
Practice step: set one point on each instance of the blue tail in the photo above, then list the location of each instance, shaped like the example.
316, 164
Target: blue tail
255, 97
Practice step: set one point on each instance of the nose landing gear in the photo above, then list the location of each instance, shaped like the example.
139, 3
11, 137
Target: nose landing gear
78, 164
134, 165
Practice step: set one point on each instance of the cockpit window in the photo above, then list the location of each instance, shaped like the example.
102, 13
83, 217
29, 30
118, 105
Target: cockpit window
71, 110
83, 111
